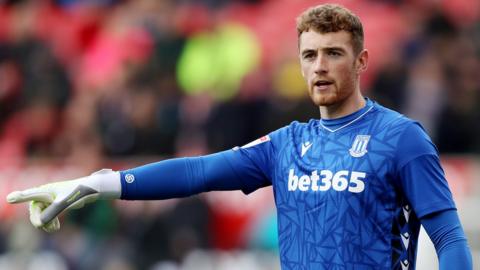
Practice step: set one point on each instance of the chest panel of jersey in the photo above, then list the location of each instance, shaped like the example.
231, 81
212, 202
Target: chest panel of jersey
337, 202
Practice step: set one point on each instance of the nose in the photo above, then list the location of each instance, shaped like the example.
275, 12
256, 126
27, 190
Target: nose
321, 65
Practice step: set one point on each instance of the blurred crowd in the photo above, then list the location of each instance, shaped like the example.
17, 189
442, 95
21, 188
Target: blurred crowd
88, 82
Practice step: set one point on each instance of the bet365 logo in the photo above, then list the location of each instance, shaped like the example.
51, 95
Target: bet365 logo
351, 181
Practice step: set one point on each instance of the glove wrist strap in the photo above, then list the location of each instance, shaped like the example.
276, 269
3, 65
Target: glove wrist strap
107, 182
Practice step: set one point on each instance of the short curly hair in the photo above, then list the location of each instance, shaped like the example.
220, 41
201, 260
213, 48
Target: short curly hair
329, 18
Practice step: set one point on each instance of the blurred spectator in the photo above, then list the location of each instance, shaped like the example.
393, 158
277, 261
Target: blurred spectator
389, 87
88, 82
458, 130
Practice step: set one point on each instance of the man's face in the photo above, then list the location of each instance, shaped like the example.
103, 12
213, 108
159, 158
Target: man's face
330, 66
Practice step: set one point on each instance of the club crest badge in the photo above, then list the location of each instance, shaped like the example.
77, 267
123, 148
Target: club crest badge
359, 146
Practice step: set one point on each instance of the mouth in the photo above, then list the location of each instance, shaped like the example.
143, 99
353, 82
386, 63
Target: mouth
322, 84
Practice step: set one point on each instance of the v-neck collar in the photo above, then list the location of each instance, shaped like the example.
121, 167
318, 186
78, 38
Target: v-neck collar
337, 124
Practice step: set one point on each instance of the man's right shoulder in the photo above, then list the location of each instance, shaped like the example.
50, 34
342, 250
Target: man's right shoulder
295, 127
292, 133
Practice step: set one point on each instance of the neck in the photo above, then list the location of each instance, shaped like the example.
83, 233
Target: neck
350, 105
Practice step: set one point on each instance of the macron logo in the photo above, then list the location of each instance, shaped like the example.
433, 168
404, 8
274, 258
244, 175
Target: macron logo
305, 147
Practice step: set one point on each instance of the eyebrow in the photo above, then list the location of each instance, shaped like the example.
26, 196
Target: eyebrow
333, 48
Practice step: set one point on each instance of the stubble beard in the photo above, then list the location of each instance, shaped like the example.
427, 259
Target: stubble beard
329, 100
334, 98
326, 99
338, 95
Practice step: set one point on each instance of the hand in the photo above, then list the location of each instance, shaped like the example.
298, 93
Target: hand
48, 201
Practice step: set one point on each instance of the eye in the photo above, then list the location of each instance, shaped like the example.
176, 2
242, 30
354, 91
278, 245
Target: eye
334, 53
308, 56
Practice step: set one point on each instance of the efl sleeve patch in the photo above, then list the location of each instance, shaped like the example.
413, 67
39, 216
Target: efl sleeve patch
258, 141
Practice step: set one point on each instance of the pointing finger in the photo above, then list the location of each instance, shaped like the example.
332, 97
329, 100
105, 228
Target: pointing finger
33, 194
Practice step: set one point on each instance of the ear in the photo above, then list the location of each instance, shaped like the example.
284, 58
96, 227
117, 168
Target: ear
362, 61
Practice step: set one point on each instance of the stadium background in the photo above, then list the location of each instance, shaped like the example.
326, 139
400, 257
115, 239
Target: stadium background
104, 83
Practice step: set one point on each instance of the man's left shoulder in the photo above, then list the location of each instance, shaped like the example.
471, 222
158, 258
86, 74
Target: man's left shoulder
387, 118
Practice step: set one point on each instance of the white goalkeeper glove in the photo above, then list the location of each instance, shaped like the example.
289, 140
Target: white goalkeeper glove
48, 201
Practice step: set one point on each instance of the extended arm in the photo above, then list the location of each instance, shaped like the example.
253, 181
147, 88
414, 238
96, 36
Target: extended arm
182, 177
447, 235
174, 178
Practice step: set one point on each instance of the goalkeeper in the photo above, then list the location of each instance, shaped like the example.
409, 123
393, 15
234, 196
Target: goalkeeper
351, 189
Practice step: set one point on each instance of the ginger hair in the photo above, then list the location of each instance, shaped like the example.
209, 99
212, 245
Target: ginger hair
329, 18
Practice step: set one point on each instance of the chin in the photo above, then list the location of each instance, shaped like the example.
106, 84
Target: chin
324, 100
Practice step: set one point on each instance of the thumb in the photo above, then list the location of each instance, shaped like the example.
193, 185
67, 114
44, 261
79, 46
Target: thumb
76, 198
33, 194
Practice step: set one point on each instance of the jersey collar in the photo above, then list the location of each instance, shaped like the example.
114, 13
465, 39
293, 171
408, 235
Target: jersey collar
336, 124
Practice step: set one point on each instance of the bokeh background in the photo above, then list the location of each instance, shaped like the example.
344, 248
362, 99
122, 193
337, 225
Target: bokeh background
93, 84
